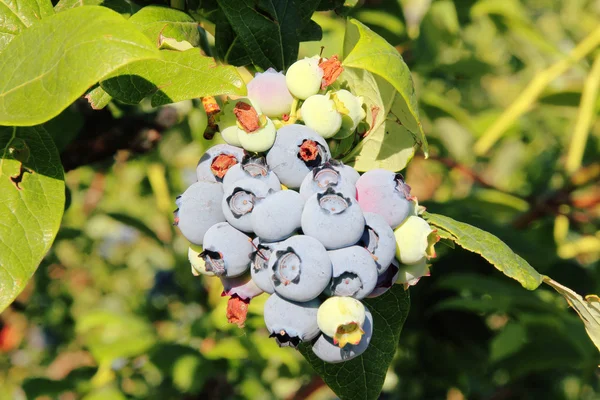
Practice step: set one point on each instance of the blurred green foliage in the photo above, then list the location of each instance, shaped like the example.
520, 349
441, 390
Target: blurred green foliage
114, 312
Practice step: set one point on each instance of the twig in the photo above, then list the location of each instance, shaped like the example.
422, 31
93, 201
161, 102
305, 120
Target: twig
531, 92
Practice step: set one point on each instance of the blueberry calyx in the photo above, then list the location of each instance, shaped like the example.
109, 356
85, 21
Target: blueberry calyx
325, 175
346, 284
241, 202
333, 202
214, 262
287, 267
221, 164
402, 187
261, 257
255, 166
311, 153
370, 239
285, 340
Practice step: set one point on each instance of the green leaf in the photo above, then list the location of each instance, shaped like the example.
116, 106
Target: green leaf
155, 21
31, 209
489, 247
87, 43
363, 377
364, 49
98, 98
17, 15
388, 144
124, 7
176, 76
110, 335
270, 31
587, 308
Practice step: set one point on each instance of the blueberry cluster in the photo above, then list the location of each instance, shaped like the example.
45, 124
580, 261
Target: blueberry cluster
272, 212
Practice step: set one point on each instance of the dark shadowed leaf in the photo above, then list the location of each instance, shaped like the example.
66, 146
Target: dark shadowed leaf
362, 378
32, 205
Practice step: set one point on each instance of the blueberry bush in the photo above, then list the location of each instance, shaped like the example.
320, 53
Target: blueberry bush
278, 130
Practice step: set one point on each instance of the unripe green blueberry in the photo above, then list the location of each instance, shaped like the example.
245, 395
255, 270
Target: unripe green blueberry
320, 114
227, 121
409, 275
303, 78
352, 112
415, 240
197, 262
342, 318
259, 140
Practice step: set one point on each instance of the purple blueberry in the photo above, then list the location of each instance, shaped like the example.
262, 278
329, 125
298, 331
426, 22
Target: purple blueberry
290, 322
385, 193
331, 353
300, 268
386, 280
379, 239
354, 272
296, 151
252, 167
259, 267
328, 175
334, 219
241, 286
277, 216
239, 200
217, 160
227, 251
199, 209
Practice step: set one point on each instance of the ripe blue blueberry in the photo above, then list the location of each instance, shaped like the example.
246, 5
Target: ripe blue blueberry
259, 267
354, 272
217, 160
296, 151
330, 174
252, 167
291, 322
326, 350
239, 200
334, 219
300, 268
227, 251
199, 209
385, 193
277, 216
386, 280
379, 239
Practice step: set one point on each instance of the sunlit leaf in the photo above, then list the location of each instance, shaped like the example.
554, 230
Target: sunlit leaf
489, 247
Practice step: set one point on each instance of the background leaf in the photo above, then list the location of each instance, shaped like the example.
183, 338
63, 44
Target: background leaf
155, 20
123, 7
587, 308
17, 15
86, 44
489, 247
387, 144
176, 76
269, 30
363, 377
30, 215
364, 49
